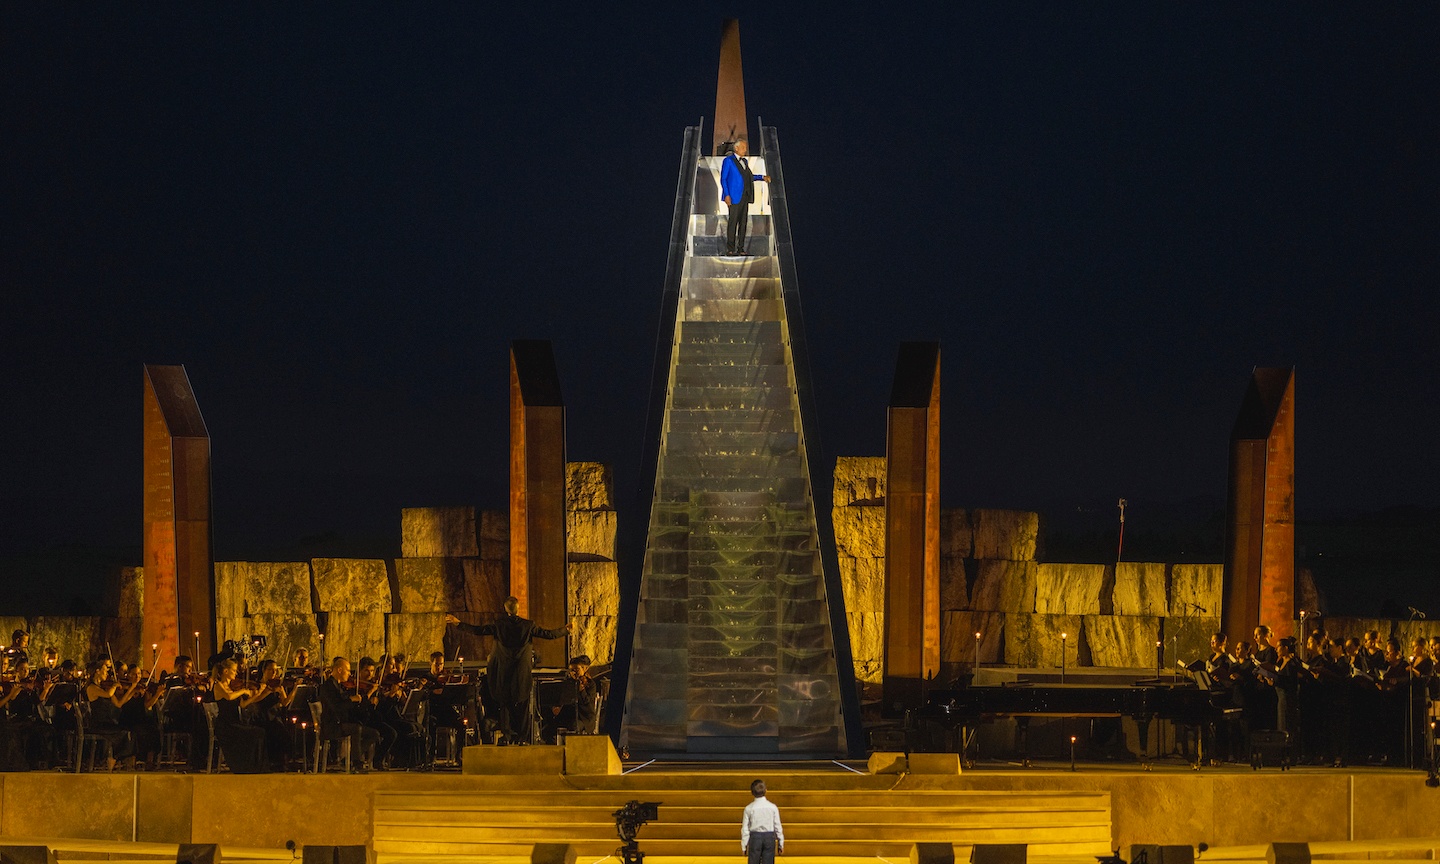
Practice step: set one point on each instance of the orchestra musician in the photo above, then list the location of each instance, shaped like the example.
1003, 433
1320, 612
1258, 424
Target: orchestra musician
508, 670
577, 709
19, 643
271, 713
339, 716
367, 709
105, 697
242, 745
137, 715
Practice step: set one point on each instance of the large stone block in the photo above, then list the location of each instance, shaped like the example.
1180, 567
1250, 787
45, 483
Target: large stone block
281, 588
593, 636
9, 624
122, 635
230, 580
860, 531
867, 645
130, 592
1196, 585
487, 584
415, 634
588, 486
1004, 586
495, 535
1187, 639
594, 588
438, 532
1122, 641
352, 584
863, 582
1140, 589
77, 639
957, 637
590, 535
956, 537
954, 585
430, 584
1307, 594
859, 480
1069, 589
355, 634
1037, 641
1009, 535
284, 632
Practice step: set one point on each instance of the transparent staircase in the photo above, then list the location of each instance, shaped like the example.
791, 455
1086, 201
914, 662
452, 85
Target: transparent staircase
732, 652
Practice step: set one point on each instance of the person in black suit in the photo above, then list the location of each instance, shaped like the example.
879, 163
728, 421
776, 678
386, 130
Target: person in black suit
339, 715
508, 670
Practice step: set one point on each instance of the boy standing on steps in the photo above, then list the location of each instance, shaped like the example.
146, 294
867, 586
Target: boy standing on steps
760, 834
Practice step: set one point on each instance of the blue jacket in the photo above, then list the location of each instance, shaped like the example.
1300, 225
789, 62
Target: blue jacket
732, 182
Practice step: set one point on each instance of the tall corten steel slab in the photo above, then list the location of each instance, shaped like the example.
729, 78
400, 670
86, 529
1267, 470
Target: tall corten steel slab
729, 91
179, 570
537, 491
912, 527
1260, 519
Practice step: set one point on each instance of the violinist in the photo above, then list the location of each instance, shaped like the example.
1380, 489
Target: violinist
52, 658
242, 745
19, 645
272, 714
137, 715
300, 668
367, 691
22, 722
339, 715
576, 712
408, 751
106, 696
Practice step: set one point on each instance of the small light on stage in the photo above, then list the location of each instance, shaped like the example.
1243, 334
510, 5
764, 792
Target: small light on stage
1072, 752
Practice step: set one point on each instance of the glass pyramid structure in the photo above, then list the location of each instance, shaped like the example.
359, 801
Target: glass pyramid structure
734, 650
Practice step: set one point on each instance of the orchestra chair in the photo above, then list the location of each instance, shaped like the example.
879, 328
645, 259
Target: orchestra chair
322, 742
170, 741
214, 758
88, 740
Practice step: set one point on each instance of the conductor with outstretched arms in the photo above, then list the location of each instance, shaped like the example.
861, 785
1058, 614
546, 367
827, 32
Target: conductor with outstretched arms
761, 836
508, 670
737, 185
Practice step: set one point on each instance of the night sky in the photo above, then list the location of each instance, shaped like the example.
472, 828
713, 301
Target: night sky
338, 216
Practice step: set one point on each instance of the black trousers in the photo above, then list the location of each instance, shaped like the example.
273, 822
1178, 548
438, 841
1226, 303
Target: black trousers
738, 227
761, 848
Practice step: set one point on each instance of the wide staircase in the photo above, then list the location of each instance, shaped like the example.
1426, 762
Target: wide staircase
826, 816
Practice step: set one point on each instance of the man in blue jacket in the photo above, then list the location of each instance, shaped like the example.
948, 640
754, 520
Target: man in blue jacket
737, 184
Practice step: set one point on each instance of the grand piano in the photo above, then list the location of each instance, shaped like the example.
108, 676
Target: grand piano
1181, 702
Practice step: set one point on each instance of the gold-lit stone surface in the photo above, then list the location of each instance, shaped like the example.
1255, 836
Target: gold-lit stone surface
867, 644
1009, 535
588, 486
129, 592
538, 759
10, 623
122, 637
430, 584
226, 630
1069, 589
286, 631
1194, 585
486, 584
859, 480
591, 754
1140, 589
230, 579
934, 763
164, 805
593, 636
1189, 638
495, 534
954, 591
1004, 586
352, 584
590, 535
438, 532
862, 581
860, 531
355, 634
277, 588
1035, 640
92, 806
594, 588
956, 538
957, 636
1122, 640
415, 634
75, 639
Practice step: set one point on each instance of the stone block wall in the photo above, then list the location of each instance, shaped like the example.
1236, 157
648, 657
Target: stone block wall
592, 574
859, 520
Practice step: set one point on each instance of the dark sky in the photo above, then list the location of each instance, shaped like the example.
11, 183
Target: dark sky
337, 216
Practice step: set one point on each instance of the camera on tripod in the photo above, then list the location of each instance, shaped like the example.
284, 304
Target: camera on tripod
628, 821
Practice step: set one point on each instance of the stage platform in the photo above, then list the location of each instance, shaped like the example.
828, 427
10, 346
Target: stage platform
833, 811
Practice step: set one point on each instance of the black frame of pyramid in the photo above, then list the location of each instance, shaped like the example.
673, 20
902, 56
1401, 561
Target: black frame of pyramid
733, 638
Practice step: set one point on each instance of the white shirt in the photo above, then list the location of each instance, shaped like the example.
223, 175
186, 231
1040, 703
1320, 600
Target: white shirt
761, 816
